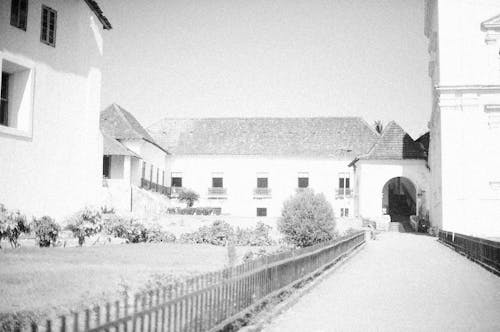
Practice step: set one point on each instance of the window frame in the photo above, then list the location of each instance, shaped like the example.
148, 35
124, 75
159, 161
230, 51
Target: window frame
344, 180
260, 210
265, 185
49, 11
4, 99
303, 178
172, 181
215, 182
24, 130
18, 18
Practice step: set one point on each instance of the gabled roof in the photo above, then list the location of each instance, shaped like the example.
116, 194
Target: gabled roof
394, 144
112, 147
94, 7
492, 23
341, 137
424, 141
116, 122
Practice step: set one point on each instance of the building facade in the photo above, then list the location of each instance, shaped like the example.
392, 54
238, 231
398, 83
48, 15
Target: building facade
249, 167
131, 158
50, 58
464, 153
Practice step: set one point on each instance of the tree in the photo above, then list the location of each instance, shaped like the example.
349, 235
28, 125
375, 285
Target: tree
307, 219
188, 196
379, 126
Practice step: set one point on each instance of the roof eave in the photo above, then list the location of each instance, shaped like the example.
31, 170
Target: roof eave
94, 7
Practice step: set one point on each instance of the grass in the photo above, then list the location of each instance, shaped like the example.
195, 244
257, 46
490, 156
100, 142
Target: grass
53, 281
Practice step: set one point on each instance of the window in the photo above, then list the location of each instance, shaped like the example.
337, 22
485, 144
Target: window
217, 182
303, 182
344, 212
49, 25
4, 100
261, 212
16, 95
106, 166
261, 182
176, 181
19, 14
344, 181
493, 113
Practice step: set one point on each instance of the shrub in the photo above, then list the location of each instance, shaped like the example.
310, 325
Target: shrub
219, 233
154, 233
85, 223
46, 231
205, 211
306, 219
188, 196
258, 236
12, 225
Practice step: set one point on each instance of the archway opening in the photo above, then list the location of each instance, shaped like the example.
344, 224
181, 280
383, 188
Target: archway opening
399, 198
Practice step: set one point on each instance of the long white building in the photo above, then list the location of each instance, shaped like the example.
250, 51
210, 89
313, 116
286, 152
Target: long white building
250, 166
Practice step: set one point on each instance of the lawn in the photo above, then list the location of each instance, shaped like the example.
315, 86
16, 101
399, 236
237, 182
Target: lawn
52, 281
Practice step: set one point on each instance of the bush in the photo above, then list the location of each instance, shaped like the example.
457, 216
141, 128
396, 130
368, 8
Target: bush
154, 233
258, 236
136, 232
46, 231
12, 225
188, 196
205, 211
219, 233
306, 219
85, 223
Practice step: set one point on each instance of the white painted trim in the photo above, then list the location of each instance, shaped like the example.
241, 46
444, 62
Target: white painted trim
21, 61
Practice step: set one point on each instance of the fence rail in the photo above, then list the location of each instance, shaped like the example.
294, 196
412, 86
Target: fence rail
210, 301
486, 252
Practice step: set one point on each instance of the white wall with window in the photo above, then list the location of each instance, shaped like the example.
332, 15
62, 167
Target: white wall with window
50, 144
241, 185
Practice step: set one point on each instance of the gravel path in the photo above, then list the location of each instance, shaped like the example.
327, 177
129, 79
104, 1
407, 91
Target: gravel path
400, 282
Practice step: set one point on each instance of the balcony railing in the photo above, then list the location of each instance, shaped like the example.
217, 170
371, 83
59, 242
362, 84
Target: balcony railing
155, 187
344, 192
217, 191
262, 192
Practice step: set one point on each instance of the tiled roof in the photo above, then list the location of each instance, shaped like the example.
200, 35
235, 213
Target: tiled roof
94, 7
341, 137
120, 124
112, 147
394, 144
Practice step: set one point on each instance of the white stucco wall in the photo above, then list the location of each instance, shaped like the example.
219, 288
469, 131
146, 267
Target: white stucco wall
56, 168
150, 154
372, 176
464, 154
240, 179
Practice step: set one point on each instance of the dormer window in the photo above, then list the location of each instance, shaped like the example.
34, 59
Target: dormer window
19, 14
49, 25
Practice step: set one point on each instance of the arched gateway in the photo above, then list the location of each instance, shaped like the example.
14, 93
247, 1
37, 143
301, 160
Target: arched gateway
392, 179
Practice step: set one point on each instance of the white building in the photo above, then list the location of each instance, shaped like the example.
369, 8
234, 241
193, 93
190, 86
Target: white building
131, 158
50, 59
249, 166
464, 154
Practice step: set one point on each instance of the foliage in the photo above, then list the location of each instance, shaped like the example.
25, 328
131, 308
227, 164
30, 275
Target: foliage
205, 211
107, 209
258, 236
85, 223
154, 233
379, 126
17, 321
46, 231
12, 225
189, 197
306, 219
219, 233
135, 232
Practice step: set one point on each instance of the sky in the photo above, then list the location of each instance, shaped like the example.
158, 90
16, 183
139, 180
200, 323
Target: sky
268, 58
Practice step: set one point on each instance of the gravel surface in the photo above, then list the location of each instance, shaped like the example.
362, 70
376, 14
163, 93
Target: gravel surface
400, 282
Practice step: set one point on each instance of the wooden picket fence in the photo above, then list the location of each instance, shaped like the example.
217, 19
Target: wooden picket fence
483, 251
210, 301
